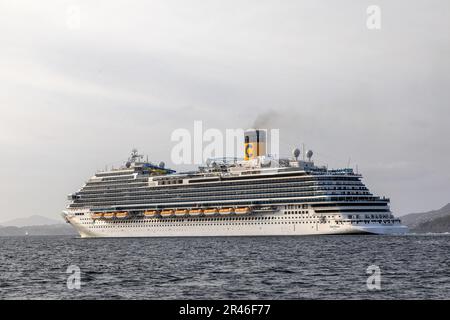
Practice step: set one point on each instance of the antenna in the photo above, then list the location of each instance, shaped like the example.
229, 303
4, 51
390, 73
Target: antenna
348, 163
303, 153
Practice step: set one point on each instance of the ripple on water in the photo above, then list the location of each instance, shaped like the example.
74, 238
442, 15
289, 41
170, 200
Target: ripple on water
326, 267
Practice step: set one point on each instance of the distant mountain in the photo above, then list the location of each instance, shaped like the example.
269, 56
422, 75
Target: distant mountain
36, 226
33, 220
48, 230
431, 221
438, 225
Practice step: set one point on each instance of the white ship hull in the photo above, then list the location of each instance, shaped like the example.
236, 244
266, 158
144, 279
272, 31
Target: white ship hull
158, 227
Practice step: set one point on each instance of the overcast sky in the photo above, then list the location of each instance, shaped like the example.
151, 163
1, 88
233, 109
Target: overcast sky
76, 97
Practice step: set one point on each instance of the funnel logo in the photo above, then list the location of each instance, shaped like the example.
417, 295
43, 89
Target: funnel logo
249, 150
255, 143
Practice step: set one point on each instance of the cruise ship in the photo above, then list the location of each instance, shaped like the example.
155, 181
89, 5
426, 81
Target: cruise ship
256, 196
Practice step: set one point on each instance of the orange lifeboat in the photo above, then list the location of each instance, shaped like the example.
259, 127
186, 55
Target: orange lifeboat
167, 213
97, 215
245, 210
121, 215
150, 213
109, 215
195, 212
210, 212
181, 212
225, 211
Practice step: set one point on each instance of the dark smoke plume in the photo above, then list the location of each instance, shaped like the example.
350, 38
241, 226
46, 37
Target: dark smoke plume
265, 120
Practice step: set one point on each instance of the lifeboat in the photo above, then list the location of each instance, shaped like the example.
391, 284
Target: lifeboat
210, 212
181, 212
226, 211
109, 215
195, 212
121, 215
150, 213
97, 215
167, 213
242, 210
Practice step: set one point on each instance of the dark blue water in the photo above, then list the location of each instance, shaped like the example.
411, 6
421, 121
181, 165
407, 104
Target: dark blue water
312, 267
